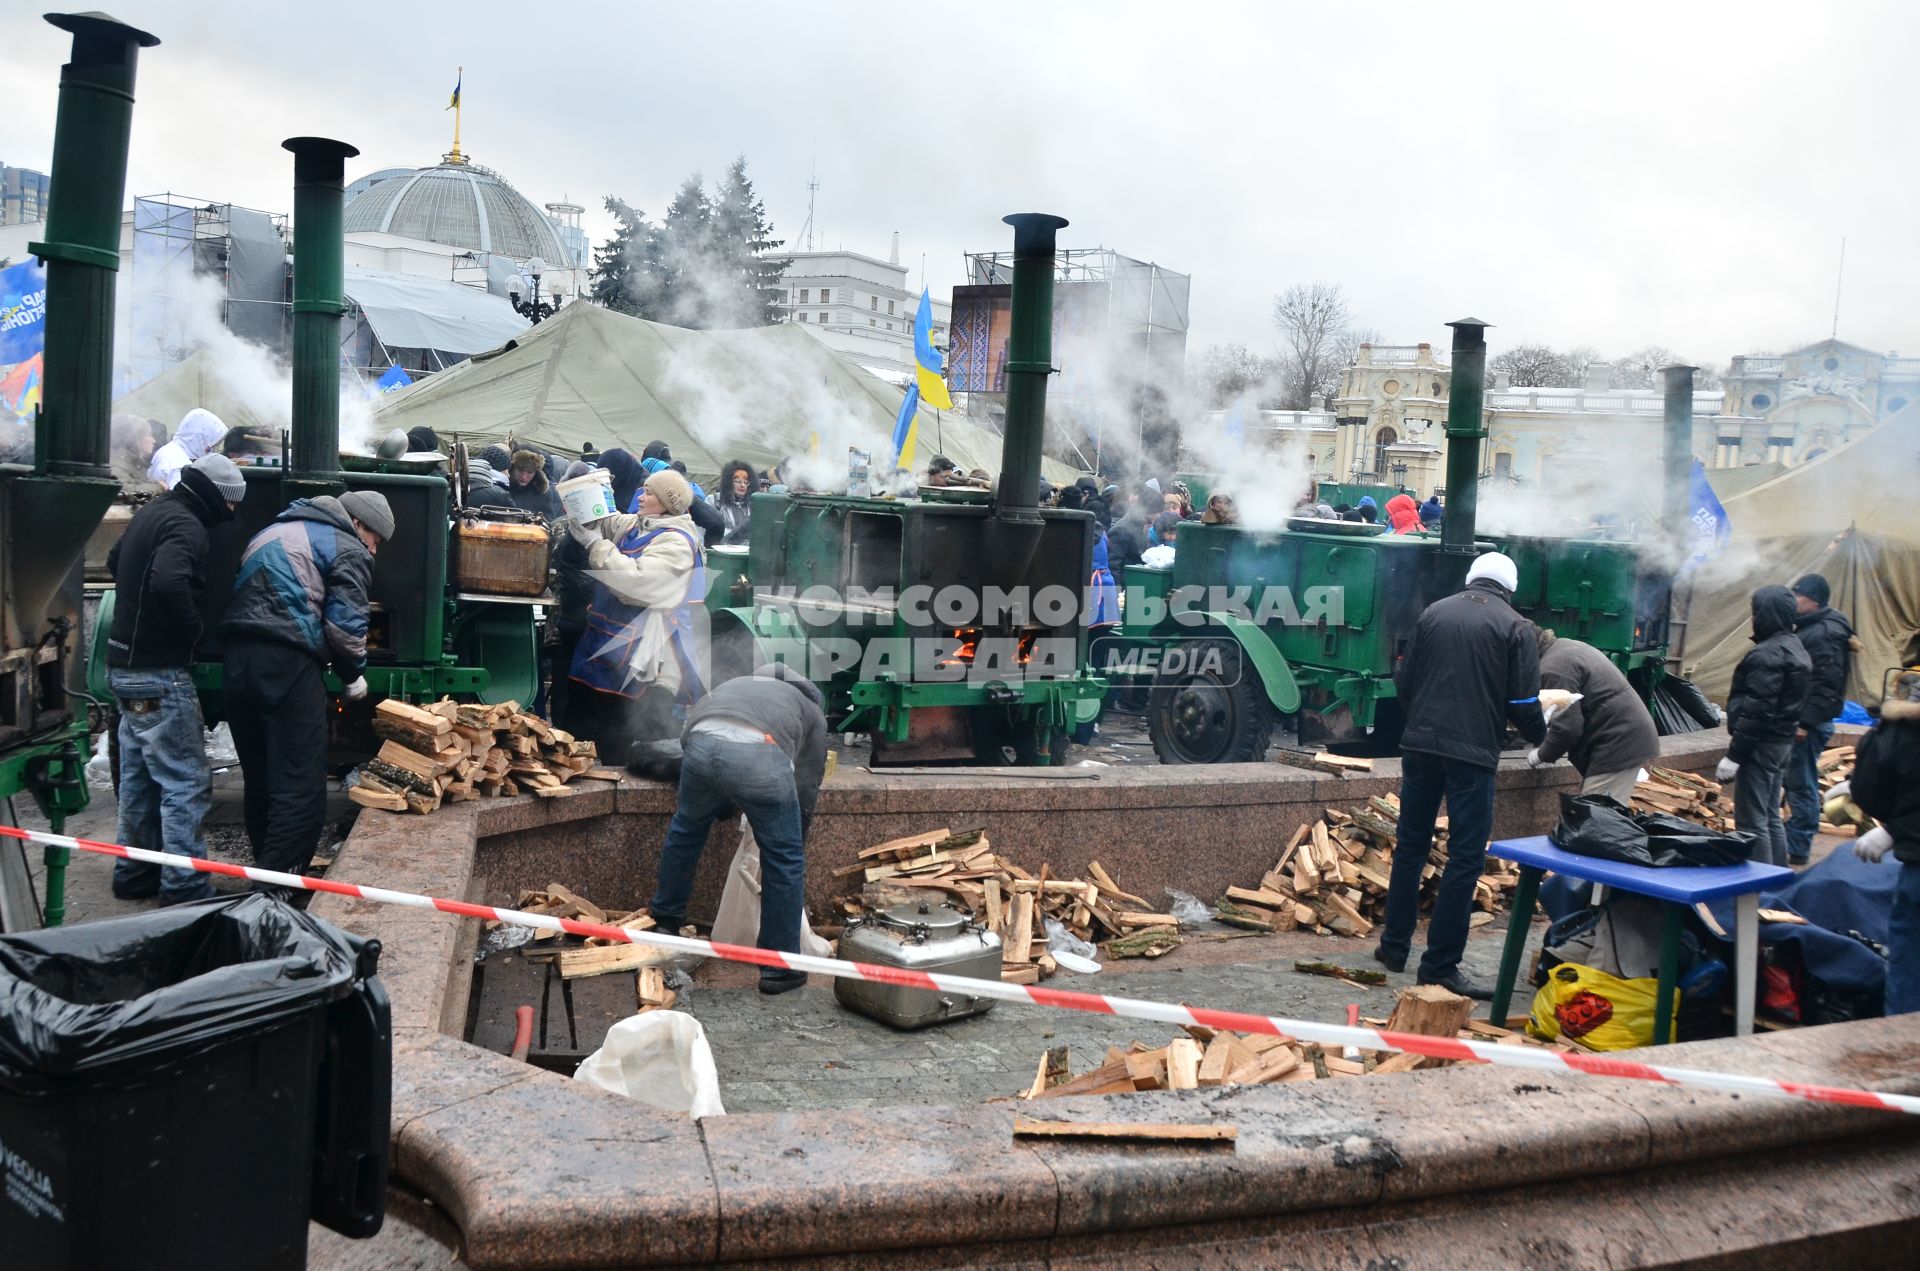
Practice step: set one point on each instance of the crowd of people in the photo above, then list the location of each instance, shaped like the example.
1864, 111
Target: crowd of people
624, 674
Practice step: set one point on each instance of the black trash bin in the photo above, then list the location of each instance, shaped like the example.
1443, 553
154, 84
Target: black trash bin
185, 1088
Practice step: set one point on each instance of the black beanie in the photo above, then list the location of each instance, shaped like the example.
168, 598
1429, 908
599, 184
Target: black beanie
1814, 587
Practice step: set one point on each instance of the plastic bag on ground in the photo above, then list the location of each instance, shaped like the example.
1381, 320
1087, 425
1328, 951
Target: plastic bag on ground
1187, 909
738, 921
1596, 1009
660, 1058
1069, 950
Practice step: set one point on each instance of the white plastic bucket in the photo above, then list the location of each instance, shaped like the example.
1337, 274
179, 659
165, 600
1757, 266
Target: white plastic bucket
589, 497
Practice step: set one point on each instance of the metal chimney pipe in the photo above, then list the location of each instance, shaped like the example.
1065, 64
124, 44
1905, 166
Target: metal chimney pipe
319, 299
82, 248
1676, 510
1466, 429
1029, 363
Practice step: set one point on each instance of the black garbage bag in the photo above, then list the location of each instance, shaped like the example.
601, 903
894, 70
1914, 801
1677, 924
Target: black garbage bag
1593, 825
1680, 707
99, 1002
655, 760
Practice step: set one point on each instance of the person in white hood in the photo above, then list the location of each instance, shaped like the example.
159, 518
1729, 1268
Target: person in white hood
197, 435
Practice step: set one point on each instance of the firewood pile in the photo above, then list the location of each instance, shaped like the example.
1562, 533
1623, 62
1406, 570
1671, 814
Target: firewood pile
577, 958
1214, 1057
1010, 901
1334, 874
1687, 796
453, 751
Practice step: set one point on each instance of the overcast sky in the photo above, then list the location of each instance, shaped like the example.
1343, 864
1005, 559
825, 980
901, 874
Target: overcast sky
1616, 175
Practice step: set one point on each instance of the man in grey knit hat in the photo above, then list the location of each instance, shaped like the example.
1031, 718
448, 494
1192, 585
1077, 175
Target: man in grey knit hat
299, 605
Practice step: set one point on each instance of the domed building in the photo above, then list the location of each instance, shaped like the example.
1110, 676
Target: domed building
458, 204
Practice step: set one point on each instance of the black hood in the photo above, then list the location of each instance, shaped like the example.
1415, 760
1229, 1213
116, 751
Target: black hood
197, 490
1773, 612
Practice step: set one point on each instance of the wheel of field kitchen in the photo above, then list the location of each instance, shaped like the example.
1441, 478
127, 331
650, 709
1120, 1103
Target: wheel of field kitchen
1215, 710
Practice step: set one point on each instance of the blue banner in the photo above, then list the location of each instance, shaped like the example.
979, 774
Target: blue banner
396, 377
1710, 528
23, 311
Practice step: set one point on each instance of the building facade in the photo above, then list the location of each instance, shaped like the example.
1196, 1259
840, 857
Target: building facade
1799, 405
23, 195
859, 307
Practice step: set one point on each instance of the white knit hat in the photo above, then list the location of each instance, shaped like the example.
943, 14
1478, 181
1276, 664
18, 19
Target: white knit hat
1496, 567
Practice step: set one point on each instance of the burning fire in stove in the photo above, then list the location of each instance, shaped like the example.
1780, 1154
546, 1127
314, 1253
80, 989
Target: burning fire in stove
967, 642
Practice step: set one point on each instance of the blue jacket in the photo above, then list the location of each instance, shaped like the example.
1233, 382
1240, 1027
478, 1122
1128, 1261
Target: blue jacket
303, 582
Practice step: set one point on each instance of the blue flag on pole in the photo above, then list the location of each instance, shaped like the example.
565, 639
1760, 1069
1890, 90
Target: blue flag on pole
1710, 528
396, 377
23, 311
906, 428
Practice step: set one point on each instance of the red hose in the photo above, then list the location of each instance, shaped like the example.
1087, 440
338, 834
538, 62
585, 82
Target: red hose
522, 1032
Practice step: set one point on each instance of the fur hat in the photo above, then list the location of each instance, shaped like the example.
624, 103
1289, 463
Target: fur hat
528, 461
668, 486
371, 510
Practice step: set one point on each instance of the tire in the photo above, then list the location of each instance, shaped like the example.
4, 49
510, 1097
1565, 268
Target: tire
1217, 714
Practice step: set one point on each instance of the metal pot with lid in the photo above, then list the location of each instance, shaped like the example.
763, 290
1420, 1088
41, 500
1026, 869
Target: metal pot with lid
918, 936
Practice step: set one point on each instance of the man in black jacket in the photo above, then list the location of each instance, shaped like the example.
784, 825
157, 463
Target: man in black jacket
1828, 638
1763, 712
159, 578
1471, 667
1608, 733
759, 743
1886, 785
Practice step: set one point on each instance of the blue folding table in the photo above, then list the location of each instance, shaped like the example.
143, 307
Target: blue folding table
1679, 886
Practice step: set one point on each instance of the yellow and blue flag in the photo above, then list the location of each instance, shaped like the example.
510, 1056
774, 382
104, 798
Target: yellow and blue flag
906, 430
933, 389
454, 102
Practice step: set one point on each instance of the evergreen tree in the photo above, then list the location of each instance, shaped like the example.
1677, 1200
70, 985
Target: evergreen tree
625, 267
707, 264
744, 240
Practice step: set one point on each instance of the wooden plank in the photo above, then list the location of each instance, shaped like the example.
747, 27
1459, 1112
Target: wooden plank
1133, 919
1111, 888
579, 963
1109, 1078
1183, 1064
1214, 1064
1141, 1131
1022, 938
1019, 974
367, 797
586, 908
1275, 1063
1260, 896
905, 845
1403, 1061
413, 717
996, 914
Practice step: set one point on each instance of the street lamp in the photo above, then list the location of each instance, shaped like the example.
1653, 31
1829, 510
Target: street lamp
533, 308
1400, 475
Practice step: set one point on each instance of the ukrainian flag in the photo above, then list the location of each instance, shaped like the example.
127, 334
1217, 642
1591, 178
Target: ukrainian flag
933, 389
906, 428
454, 102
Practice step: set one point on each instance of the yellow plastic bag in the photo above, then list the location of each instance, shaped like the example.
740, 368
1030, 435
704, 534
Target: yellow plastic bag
1585, 1004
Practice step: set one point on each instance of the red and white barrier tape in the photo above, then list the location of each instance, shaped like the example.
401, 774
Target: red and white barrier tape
1330, 1035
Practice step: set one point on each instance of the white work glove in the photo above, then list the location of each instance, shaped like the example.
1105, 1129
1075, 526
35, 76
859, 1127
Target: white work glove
1873, 845
584, 533
1719, 716
1533, 757
1727, 770
1843, 790
355, 691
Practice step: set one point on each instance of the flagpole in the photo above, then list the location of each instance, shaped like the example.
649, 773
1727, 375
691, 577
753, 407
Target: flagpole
460, 79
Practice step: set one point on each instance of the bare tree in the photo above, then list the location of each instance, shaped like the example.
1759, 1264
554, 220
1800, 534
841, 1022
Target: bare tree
1535, 366
1220, 373
1312, 318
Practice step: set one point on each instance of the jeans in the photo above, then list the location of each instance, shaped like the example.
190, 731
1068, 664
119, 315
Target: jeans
1803, 790
1756, 801
276, 702
164, 780
1903, 943
756, 777
1468, 791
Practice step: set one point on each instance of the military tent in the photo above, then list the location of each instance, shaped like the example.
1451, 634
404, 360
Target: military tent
1852, 515
590, 375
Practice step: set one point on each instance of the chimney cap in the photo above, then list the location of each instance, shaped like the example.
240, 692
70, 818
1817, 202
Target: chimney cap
1469, 322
